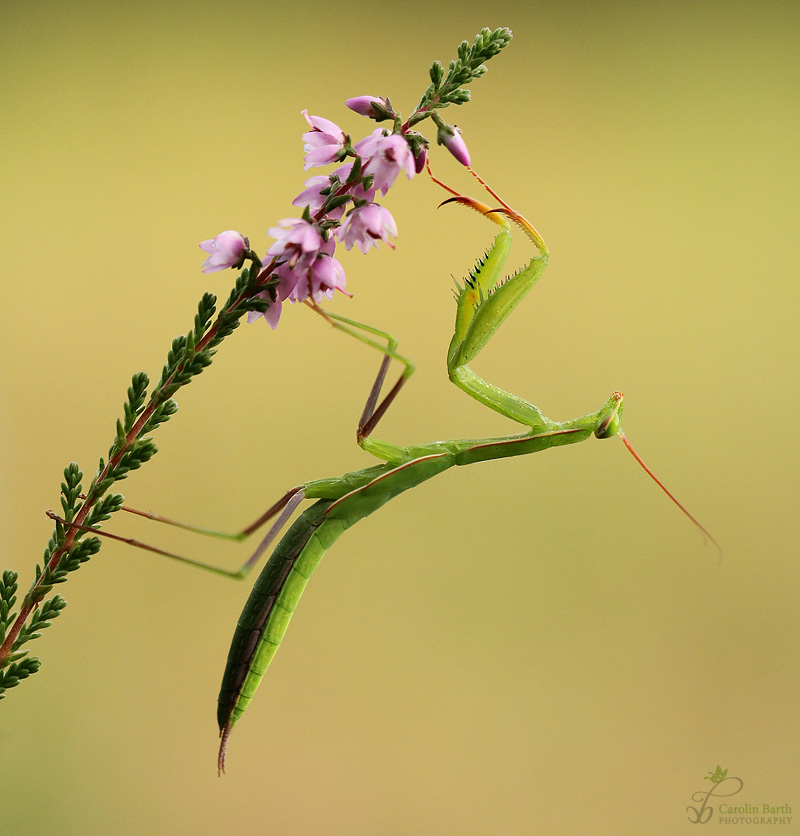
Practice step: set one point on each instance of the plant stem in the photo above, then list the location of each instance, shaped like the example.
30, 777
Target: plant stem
30, 602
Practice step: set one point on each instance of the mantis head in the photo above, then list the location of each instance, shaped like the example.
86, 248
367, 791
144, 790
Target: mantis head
609, 423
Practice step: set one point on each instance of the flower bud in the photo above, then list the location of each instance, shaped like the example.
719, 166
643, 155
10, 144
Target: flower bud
419, 160
450, 137
226, 250
364, 105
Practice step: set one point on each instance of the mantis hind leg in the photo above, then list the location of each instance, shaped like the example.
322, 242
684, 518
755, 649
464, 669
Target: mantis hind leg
282, 510
286, 505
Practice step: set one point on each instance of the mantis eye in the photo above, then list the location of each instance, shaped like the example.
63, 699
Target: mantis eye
608, 427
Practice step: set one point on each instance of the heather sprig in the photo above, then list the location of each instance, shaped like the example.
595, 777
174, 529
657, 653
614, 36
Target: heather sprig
445, 89
299, 267
341, 207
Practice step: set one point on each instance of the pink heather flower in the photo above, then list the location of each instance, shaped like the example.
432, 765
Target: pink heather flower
367, 225
272, 315
450, 137
287, 279
319, 279
323, 278
313, 198
226, 250
364, 105
298, 241
343, 172
323, 143
385, 157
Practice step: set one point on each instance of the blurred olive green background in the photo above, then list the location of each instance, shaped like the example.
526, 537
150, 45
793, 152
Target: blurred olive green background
539, 645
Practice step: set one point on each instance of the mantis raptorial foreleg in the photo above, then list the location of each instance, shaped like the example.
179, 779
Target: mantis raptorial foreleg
485, 302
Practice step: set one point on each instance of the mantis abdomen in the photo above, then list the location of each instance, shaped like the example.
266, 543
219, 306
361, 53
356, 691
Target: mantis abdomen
277, 591
270, 605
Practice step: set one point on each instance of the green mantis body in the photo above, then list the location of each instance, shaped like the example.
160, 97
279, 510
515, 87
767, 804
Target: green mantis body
348, 499
482, 306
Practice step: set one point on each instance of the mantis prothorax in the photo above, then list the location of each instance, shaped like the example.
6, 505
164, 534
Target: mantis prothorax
483, 303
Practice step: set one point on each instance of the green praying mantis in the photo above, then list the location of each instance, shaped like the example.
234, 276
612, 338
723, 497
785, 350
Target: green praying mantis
482, 305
